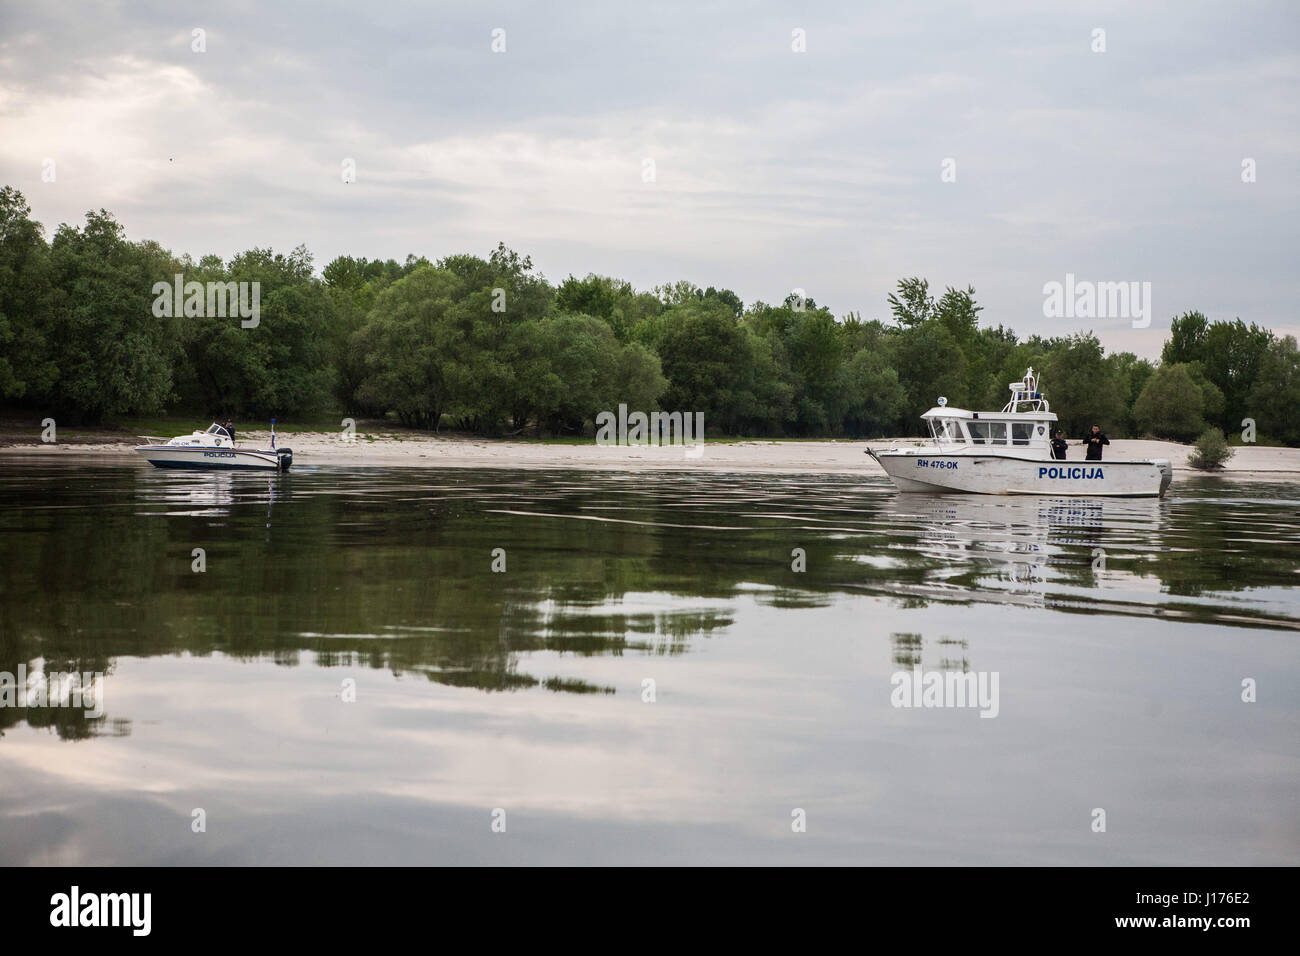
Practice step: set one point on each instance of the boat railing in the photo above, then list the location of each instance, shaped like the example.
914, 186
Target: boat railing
1025, 392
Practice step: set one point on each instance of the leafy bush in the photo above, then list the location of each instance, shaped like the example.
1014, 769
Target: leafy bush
1211, 451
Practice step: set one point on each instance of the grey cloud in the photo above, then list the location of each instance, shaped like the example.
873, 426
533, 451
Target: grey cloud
775, 169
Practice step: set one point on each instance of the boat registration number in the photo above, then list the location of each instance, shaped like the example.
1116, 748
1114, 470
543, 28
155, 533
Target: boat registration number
938, 463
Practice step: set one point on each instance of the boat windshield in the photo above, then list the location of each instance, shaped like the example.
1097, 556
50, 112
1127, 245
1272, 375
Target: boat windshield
945, 431
218, 430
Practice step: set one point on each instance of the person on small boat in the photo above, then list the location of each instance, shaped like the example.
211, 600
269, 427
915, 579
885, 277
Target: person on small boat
229, 426
1096, 438
1059, 445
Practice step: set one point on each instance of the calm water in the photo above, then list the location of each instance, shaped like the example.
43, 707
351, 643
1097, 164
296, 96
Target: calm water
524, 691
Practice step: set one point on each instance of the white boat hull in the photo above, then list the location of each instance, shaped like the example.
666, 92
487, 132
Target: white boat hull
1006, 475
202, 456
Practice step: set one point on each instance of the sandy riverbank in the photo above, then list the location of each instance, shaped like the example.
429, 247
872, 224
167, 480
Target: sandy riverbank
828, 457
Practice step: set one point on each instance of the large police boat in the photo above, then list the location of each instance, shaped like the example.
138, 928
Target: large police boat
1009, 453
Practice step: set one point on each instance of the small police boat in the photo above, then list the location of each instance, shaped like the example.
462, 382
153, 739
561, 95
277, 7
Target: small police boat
215, 448
1009, 453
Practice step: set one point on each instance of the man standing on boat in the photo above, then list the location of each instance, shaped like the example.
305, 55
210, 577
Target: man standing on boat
1096, 438
1059, 445
229, 426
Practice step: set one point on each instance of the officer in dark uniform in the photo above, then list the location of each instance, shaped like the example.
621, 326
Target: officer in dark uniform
1096, 438
1059, 445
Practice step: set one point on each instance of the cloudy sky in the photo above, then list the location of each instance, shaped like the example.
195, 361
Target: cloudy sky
772, 169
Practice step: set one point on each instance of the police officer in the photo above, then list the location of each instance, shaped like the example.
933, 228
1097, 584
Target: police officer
1096, 438
1059, 445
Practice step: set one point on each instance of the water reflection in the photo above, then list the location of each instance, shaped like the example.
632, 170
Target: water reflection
768, 613
394, 569
946, 653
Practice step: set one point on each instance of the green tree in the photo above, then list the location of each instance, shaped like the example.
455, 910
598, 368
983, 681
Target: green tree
816, 353
930, 364
594, 373
595, 295
912, 304
281, 366
1083, 387
639, 377
991, 351
26, 301
412, 349
1134, 373
1229, 353
584, 354
871, 397
704, 354
112, 353
727, 298
1233, 352
613, 300
1186, 342
957, 312
1275, 399
352, 286
765, 397
1172, 403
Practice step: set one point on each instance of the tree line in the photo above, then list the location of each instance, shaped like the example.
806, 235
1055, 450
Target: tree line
490, 346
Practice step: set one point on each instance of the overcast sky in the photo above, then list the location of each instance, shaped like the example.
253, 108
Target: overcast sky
773, 169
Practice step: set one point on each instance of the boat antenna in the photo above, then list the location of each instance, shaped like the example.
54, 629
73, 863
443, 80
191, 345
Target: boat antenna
1027, 392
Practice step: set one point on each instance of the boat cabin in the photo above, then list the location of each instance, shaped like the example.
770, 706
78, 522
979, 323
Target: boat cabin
957, 427
1024, 425
215, 436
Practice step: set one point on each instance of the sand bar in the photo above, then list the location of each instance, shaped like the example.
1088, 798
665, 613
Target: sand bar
778, 457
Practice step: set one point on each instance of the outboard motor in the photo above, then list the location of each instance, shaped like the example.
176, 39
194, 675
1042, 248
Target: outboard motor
1166, 474
285, 456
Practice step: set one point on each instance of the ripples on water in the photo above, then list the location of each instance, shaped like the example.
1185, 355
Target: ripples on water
1213, 549
322, 558
364, 570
